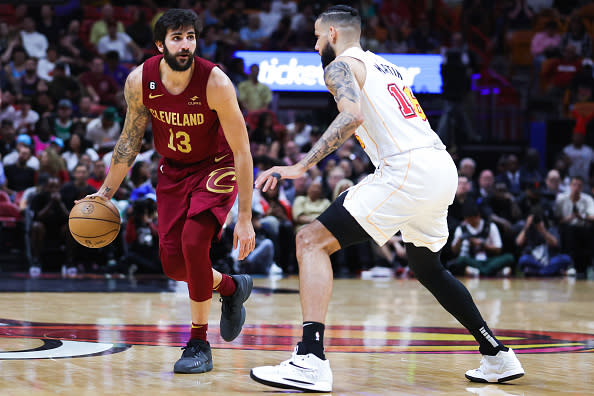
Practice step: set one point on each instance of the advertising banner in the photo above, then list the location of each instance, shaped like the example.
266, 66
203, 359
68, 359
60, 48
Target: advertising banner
302, 71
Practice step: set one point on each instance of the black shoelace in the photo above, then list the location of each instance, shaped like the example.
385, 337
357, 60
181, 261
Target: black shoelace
191, 350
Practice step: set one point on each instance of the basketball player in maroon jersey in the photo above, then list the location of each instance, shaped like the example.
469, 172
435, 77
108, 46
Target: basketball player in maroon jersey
201, 134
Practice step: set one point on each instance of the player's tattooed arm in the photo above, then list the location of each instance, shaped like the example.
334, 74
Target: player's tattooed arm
137, 117
338, 132
130, 141
342, 84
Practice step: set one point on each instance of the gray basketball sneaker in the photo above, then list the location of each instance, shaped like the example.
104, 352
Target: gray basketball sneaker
232, 309
196, 358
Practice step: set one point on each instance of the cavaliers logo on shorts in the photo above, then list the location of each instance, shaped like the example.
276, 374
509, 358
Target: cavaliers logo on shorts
222, 180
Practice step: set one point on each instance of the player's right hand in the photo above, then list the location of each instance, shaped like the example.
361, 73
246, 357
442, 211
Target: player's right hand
269, 178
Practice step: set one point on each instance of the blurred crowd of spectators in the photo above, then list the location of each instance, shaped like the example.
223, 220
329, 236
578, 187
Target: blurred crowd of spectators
62, 77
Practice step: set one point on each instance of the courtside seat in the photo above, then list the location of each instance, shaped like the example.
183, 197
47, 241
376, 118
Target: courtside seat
541, 20
6, 10
587, 11
7, 14
122, 14
91, 12
519, 47
587, 15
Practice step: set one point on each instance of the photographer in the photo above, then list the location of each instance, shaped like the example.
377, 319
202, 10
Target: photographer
477, 245
575, 212
540, 248
458, 65
50, 218
142, 237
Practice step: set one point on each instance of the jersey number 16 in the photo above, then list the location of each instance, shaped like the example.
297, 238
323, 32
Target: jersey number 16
409, 105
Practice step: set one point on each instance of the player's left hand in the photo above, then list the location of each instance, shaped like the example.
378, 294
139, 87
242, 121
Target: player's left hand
245, 235
269, 178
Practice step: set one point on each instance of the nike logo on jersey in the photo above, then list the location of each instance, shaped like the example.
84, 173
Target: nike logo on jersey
220, 158
151, 96
161, 168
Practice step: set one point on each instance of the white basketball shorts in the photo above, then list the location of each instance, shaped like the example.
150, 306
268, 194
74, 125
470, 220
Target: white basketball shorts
410, 193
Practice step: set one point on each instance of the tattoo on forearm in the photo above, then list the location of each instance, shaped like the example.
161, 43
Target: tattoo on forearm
130, 141
337, 133
341, 82
128, 144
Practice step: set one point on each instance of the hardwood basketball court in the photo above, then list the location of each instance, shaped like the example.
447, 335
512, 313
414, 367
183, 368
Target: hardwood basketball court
385, 337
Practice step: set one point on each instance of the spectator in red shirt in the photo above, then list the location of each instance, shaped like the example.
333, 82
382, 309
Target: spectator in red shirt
101, 88
98, 174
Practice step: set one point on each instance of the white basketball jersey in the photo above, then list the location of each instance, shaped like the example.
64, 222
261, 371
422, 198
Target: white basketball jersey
394, 121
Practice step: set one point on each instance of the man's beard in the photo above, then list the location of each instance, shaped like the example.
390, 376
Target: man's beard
174, 64
328, 55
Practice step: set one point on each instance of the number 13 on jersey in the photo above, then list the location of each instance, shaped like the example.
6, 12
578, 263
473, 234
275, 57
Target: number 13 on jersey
179, 140
409, 105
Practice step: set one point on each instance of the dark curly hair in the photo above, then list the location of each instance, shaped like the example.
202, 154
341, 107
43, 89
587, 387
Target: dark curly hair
176, 18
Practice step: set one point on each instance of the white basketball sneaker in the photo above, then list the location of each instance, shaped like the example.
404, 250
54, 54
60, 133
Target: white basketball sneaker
302, 372
502, 367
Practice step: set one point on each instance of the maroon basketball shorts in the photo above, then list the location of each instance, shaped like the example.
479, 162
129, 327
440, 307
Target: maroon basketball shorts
185, 190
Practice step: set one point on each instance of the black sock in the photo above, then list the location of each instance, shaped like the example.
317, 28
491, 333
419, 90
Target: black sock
489, 344
312, 340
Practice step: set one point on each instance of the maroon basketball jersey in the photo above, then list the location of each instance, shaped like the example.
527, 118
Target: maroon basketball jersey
185, 129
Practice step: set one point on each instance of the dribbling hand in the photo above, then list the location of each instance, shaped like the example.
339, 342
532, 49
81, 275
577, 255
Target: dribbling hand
268, 179
93, 196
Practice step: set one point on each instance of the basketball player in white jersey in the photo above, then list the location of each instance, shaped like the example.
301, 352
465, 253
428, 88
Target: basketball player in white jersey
414, 183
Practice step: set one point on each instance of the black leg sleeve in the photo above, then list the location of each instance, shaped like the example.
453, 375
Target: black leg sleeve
452, 295
448, 290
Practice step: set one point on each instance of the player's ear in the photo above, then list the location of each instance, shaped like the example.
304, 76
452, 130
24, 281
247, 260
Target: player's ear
159, 46
332, 34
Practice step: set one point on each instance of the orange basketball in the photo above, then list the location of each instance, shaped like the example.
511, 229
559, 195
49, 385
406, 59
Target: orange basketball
94, 222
